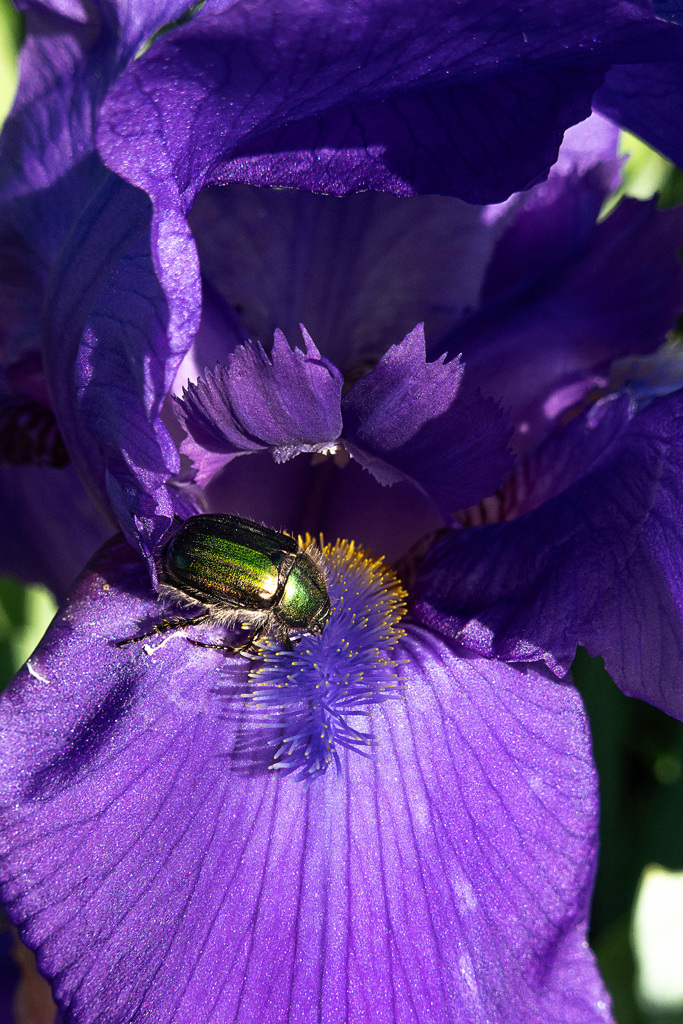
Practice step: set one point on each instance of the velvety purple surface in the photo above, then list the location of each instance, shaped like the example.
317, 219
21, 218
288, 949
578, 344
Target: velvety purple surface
359, 272
285, 401
406, 420
370, 97
70, 235
645, 98
448, 98
164, 874
421, 420
38, 544
557, 310
598, 564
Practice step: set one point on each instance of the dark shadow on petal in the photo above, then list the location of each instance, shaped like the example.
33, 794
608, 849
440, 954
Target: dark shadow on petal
88, 741
254, 745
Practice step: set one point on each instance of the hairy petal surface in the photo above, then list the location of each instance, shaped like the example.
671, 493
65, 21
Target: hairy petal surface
164, 874
420, 421
597, 564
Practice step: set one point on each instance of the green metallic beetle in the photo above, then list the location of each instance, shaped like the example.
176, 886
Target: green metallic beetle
238, 573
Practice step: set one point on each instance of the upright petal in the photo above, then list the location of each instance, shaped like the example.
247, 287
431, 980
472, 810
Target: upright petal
423, 77
65, 293
410, 419
286, 401
113, 346
554, 331
445, 99
71, 56
359, 271
552, 224
646, 99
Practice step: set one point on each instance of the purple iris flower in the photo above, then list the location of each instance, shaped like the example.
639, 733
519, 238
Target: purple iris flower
102, 292
385, 823
396, 819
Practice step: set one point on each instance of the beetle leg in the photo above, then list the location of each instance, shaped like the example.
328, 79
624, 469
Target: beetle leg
214, 647
165, 626
248, 645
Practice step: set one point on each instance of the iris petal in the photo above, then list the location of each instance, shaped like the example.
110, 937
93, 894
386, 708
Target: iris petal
163, 878
286, 401
645, 99
412, 419
514, 590
359, 272
557, 322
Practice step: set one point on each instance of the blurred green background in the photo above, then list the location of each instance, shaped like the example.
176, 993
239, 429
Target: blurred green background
637, 926
24, 611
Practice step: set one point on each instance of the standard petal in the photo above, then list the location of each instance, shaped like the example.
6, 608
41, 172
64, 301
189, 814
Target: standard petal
146, 18
555, 330
163, 874
48, 171
81, 285
113, 346
250, 74
358, 271
597, 565
447, 100
478, 140
410, 419
286, 400
553, 223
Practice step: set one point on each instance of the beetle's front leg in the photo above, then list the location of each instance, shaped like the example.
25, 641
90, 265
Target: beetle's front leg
166, 626
248, 645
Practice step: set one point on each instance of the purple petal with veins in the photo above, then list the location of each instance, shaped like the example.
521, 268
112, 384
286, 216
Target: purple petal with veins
597, 564
163, 873
547, 326
358, 271
406, 420
410, 419
646, 99
286, 401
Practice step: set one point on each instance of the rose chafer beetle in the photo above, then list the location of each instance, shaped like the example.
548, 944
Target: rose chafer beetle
239, 573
